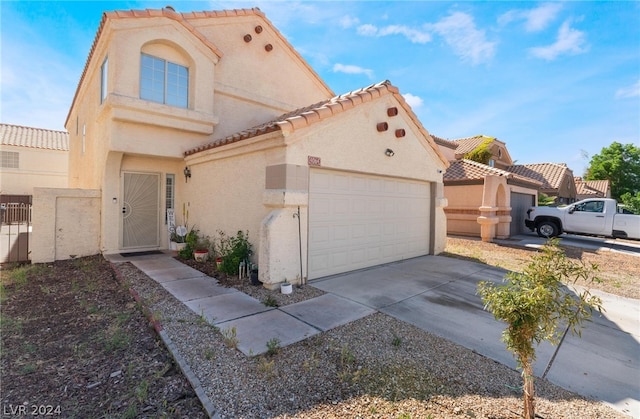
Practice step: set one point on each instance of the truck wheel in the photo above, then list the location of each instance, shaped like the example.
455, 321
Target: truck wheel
547, 229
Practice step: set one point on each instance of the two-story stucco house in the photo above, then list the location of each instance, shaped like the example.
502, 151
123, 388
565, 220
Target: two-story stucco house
215, 113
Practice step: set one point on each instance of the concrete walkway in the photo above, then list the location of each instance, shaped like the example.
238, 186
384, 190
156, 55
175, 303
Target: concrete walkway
436, 294
255, 323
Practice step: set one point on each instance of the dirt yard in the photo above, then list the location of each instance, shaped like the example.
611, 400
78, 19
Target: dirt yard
75, 343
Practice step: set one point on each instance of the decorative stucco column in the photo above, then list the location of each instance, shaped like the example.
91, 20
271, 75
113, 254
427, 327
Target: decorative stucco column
488, 221
282, 240
439, 221
283, 232
494, 201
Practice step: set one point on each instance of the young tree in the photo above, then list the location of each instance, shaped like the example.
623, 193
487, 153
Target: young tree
620, 165
534, 303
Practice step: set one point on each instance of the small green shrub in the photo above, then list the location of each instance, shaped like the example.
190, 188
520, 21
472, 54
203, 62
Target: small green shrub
232, 251
270, 301
191, 239
396, 341
273, 346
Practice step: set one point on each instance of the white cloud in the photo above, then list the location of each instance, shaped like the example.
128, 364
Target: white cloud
352, 69
629, 91
413, 100
568, 41
535, 19
367, 30
459, 31
348, 22
416, 36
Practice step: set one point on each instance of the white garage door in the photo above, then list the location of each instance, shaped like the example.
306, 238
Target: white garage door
356, 221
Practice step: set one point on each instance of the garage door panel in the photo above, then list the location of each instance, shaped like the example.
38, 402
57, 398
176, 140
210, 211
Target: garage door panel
371, 220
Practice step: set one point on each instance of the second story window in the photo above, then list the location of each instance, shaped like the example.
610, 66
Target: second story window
103, 79
10, 160
164, 82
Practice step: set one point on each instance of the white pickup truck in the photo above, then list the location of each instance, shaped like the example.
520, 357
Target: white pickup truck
596, 217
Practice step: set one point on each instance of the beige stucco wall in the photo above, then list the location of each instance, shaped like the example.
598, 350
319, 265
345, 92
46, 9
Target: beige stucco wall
227, 94
245, 86
38, 168
66, 224
227, 189
113, 195
462, 211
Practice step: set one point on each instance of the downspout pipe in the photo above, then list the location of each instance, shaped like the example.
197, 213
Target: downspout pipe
297, 215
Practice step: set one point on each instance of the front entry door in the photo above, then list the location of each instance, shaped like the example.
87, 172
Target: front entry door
140, 209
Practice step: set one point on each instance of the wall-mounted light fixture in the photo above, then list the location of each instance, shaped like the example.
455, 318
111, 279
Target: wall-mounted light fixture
187, 173
389, 152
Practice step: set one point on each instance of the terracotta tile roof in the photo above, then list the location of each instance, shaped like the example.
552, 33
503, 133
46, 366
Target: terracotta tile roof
550, 174
184, 19
16, 135
593, 188
466, 170
314, 113
445, 143
466, 145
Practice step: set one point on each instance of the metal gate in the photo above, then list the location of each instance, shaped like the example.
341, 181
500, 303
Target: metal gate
15, 228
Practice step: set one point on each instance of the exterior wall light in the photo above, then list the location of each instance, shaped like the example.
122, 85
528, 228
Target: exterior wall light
389, 152
187, 173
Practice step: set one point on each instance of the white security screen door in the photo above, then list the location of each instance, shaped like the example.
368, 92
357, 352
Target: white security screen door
140, 209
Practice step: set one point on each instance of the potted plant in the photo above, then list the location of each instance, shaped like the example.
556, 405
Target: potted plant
286, 287
178, 238
201, 251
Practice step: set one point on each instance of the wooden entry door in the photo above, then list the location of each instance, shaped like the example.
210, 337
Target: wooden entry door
140, 210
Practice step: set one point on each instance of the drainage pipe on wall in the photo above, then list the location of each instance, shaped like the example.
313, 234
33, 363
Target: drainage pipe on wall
297, 215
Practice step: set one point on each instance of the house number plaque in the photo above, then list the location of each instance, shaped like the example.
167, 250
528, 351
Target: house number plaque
313, 161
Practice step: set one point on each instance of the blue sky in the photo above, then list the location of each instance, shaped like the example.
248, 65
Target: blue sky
552, 80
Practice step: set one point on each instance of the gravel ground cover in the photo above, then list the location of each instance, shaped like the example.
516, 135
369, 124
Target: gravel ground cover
376, 367
73, 336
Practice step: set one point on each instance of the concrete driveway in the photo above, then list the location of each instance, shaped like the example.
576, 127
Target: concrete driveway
438, 295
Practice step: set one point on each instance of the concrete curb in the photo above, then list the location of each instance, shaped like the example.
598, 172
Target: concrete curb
168, 343
193, 380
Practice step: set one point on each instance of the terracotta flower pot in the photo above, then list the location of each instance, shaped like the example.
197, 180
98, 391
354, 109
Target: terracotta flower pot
200, 255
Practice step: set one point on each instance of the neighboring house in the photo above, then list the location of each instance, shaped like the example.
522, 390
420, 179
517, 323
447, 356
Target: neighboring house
32, 157
592, 189
215, 116
557, 179
29, 158
499, 158
485, 201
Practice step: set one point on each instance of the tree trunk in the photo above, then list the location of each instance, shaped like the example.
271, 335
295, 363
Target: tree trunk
528, 391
